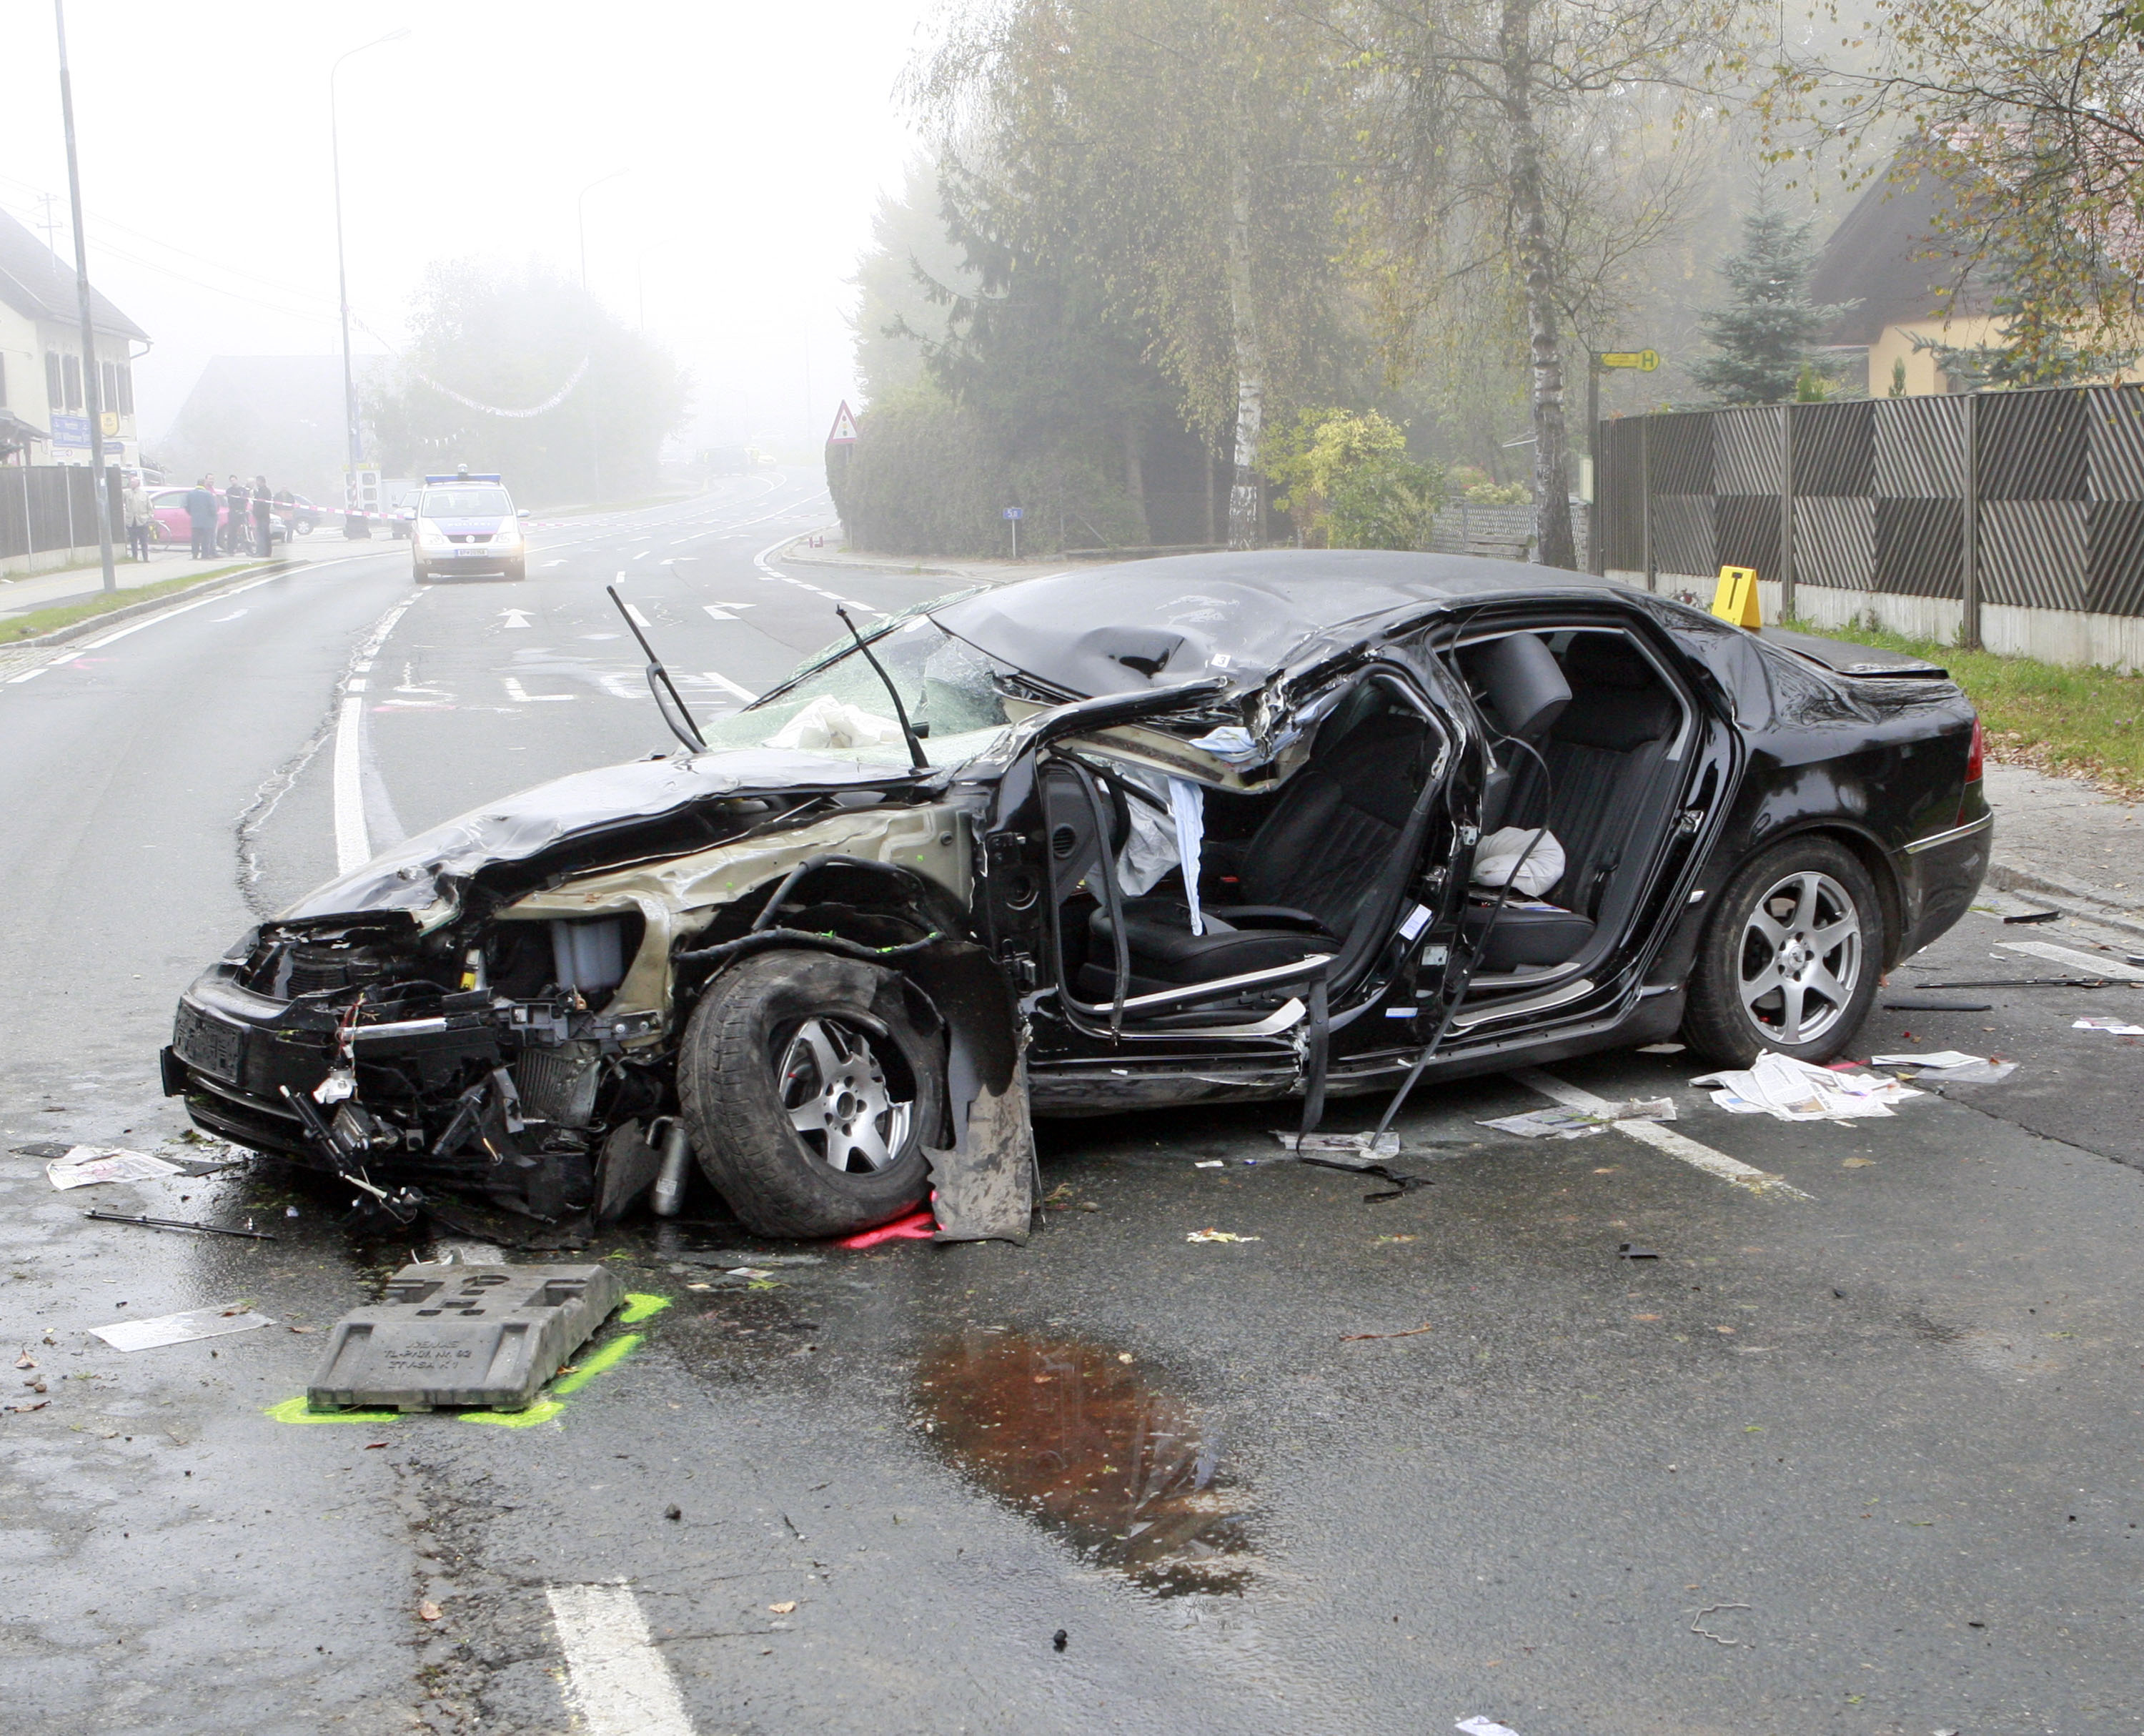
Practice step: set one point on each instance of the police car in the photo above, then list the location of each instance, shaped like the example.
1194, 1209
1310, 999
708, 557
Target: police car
466, 523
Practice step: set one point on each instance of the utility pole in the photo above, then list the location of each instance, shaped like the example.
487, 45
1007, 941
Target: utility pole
92, 396
353, 521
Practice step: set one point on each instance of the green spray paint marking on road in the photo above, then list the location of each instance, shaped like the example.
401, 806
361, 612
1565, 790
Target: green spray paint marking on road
639, 1307
609, 1356
300, 1410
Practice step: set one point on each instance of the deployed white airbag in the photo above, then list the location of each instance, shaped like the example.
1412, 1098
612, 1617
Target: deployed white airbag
830, 723
1498, 855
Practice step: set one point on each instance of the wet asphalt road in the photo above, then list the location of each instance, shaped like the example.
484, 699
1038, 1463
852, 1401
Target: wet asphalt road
1885, 1435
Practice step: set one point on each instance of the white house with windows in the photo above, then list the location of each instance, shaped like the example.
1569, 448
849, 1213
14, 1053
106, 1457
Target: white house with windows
46, 398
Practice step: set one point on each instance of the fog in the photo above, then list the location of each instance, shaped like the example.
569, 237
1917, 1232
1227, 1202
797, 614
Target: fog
755, 140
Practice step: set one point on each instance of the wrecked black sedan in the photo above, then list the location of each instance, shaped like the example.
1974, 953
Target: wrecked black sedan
1214, 828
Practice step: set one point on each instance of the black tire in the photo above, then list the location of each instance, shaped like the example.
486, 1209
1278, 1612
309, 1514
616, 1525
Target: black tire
517, 570
419, 571
754, 1018
1809, 901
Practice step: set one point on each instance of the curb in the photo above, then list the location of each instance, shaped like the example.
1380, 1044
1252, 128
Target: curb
889, 563
148, 605
2095, 903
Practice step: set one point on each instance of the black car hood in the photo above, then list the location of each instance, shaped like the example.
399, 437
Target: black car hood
421, 875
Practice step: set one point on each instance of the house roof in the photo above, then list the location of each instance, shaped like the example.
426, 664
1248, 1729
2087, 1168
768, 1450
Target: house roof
38, 285
1889, 258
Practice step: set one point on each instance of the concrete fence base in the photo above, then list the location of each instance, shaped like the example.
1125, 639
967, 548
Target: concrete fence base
51, 560
2052, 636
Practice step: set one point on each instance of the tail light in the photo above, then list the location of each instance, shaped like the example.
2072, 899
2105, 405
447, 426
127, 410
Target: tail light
1974, 754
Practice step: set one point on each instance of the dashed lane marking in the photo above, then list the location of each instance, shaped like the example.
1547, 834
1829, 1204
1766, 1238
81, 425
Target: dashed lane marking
727, 686
353, 842
521, 695
2093, 964
1679, 1146
615, 1679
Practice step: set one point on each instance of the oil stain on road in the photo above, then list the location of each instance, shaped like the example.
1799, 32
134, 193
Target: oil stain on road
1073, 1436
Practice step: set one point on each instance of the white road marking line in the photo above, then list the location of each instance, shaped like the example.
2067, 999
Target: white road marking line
2092, 964
218, 620
1660, 1138
513, 618
554, 564
634, 616
515, 691
353, 843
641, 554
16, 679
615, 1680
727, 686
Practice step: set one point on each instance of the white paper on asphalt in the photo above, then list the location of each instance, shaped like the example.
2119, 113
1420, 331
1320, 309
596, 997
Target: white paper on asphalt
1678, 1146
180, 1328
84, 1166
1790, 1090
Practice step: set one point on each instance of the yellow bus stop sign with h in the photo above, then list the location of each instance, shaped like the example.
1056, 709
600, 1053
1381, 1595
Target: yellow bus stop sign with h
1735, 599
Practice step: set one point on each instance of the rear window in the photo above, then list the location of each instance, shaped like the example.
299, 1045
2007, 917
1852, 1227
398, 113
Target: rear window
464, 503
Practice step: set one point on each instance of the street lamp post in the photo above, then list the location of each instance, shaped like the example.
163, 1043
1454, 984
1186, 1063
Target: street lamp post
353, 521
92, 396
581, 218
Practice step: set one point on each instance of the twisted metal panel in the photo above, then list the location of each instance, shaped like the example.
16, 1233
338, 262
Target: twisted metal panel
1835, 540
2114, 557
1919, 448
2114, 443
1682, 454
1745, 450
1834, 448
1682, 533
1745, 532
1919, 547
2032, 445
2032, 552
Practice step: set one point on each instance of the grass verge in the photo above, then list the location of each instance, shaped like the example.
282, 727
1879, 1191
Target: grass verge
45, 621
2074, 722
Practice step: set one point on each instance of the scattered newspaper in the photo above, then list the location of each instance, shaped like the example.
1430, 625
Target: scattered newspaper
1790, 1090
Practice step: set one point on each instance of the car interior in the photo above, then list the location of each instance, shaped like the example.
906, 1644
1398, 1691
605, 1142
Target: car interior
1587, 736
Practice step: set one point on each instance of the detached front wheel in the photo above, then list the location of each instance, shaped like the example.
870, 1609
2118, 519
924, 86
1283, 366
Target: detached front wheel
1791, 961
810, 1084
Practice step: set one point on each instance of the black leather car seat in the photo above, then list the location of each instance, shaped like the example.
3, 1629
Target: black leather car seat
1603, 755
1304, 876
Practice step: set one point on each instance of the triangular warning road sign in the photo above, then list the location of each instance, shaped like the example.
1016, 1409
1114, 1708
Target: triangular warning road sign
844, 428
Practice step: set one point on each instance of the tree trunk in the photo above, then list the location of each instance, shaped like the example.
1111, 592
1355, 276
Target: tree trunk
1556, 547
1247, 496
1210, 527
1136, 470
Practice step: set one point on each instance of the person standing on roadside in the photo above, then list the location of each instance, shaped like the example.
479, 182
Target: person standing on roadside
138, 517
234, 501
264, 518
201, 513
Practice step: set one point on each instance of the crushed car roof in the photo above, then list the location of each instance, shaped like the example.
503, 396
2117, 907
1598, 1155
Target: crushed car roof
1123, 628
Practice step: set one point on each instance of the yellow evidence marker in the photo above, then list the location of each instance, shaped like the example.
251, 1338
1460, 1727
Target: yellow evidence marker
1735, 597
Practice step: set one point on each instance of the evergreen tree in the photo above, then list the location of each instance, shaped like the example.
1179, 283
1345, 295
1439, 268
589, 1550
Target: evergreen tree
1763, 335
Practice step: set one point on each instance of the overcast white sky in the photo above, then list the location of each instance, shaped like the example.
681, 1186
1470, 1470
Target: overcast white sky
757, 139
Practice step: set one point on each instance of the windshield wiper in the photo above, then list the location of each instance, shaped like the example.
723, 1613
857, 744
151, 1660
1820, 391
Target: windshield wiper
907, 729
659, 683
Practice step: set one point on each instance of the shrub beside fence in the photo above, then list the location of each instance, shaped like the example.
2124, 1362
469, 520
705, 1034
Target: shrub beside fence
2013, 520
50, 510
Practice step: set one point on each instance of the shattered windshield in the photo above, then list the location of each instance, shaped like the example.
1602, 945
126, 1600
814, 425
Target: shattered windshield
951, 689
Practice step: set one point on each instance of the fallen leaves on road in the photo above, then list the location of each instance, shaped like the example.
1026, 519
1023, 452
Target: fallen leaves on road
1857, 1162
1358, 1337
784, 1608
1220, 1236
429, 1611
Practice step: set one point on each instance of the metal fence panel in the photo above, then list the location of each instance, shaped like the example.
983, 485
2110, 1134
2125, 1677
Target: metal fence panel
1618, 491
2114, 443
2031, 552
1746, 531
1682, 534
1680, 459
2032, 445
1920, 547
2114, 557
1745, 450
1918, 448
1834, 537
1834, 448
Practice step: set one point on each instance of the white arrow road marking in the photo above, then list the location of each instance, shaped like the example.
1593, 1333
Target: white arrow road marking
727, 686
218, 620
515, 691
2091, 965
1660, 1137
515, 618
620, 684
555, 564
615, 1680
723, 610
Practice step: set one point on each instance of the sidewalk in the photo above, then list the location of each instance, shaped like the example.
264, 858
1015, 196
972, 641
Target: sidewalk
977, 572
2059, 840
86, 584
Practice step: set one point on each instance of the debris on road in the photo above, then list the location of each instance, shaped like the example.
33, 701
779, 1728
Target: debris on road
1060, 1639
1379, 1145
179, 1223
181, 1328
1662, 1049
1930, 1004
2112, 1027
1400, 1183
1790, 1090
85, 1166
429, 1611
485, 1337
1948, 1067
917, 1226
1935, 1061
1220, 1236
1364, 1337
1565, 1124
1697, 1624
2024, 916
1631, 1251
1484, 1726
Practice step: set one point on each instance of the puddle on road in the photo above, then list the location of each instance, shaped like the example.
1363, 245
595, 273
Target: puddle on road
1068, 1435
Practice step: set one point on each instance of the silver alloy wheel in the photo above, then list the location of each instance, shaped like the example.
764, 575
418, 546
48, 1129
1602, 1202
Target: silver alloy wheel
1801, 958
838, 1100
